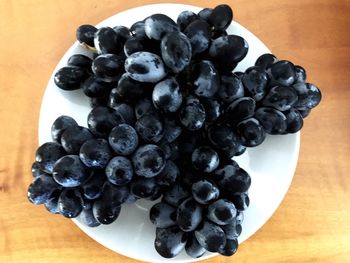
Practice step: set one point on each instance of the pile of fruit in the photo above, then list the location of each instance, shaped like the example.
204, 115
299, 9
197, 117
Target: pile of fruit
168, 115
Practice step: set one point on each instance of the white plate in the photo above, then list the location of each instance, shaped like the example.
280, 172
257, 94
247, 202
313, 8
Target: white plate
271, 165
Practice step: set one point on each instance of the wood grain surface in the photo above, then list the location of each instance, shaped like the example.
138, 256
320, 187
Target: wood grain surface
313, 222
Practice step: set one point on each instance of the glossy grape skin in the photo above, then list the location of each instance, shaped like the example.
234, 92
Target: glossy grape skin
281, 98
199, 34
123, 33
222, 137
231, 88
158, 25
106, 41
70, 77
193, 248
221, 212
51, 203
233, 179
300, 74
141, 43
85, 34
70, 203
59, 125
79, 60
228, 50
265, 61
255, 81
108, 67
143, 187
294, 121
233, 229
308, 95
145, 67
36, 170
107, 208
95, 153
130, 90
273, 121
172, 130
205, 192
213, 109
162, 215
104, 212
176, 51
86, 217
101, 120
41, 188
135, 44
170, 241
282, 73
92, 189
210, 236
188, 215
124, 109
205, 13
123, 139
240, 200
240, 109
144, 106
251, 132
304, 111
169, 174
69, 171
148, 160
192, 115
230, 248
205, 159
99, 101
205, 78
138, 29
47, 154
114, 195
221, 17
73, 138
167, 96
175, 195
150, 128
94, 87
185, 18
119, 170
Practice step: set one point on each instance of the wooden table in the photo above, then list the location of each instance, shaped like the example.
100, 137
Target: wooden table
313, 222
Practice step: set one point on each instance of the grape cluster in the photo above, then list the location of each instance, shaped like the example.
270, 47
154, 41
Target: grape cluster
168, 115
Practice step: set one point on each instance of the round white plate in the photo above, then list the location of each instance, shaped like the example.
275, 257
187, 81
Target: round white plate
271, 165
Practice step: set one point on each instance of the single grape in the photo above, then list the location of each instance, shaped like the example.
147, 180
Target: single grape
158, 25
148, 160
221, 212
176, 51
123, 139
69, 171
210, 236
145, 67
205, 159
170, 241
47, 154
119, 170
163, 215
70, 203
205, 192
188, 215
95, 153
